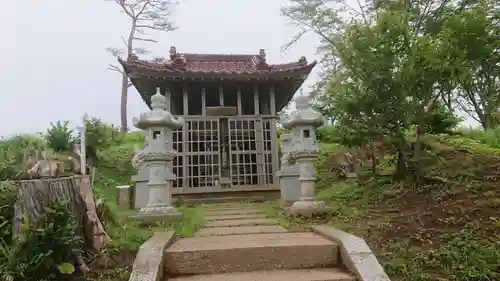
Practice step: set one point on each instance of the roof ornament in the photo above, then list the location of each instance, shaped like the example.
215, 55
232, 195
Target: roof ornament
173, 52
302, 59
262, 56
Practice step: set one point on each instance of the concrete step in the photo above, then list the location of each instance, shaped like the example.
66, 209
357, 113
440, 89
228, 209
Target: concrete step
251, 252
243, 222
235, 217
241, 211
231, 230
327, 274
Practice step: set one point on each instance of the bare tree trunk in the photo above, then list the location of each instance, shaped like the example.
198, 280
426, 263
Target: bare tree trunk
123, 103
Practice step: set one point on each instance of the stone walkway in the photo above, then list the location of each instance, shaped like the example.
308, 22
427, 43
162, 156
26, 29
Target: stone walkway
238, 243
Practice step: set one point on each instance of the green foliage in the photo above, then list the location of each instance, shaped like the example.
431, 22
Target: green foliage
441, 121
44, 248
59, 137
13, 151
7, 200
100, 135
328, 134
489, 137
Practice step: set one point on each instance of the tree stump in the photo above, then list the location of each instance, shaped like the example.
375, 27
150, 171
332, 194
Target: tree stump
34, 196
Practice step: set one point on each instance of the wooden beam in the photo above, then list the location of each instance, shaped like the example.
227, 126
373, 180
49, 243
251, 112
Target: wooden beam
256, 99
238, 96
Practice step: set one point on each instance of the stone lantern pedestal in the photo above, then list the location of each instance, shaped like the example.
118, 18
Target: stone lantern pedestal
288, 174
303, 123
307, 205
158, 124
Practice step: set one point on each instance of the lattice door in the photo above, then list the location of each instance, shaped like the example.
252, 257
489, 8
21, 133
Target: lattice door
250, 165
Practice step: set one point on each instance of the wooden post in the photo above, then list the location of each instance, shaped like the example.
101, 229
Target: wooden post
256, 99
238, 96
83, 146
221, 95
274, 134
168, 96
185, 110
272, 101
203, 101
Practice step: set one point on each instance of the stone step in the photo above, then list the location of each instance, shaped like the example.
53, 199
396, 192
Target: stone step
251, 252
232, 212
326, 274
253, 229
235, 217
242, 222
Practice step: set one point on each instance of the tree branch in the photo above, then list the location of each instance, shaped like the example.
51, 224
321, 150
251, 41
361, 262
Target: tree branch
145, 39
115, 68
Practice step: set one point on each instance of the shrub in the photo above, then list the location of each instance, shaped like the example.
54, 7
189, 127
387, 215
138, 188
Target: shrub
328, 134
13, 151
7, 200
100, 135
45, 250
59, 137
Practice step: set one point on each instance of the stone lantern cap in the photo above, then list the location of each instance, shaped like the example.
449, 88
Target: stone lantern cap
158, 116
304, 114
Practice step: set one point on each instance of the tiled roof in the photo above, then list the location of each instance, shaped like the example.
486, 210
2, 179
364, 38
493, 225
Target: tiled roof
181, 63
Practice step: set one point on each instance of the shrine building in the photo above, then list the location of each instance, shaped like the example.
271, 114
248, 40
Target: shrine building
230, 103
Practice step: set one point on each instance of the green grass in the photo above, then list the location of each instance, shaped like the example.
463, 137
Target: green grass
434, 232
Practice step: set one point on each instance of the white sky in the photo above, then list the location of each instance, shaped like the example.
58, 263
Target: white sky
54, 64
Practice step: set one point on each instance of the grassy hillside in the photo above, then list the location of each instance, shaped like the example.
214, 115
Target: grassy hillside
446, 229
113, 153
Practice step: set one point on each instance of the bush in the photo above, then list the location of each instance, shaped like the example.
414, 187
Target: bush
45, 250
7, 200
13, 151
100, 135
59, 137
489, 137
328, 134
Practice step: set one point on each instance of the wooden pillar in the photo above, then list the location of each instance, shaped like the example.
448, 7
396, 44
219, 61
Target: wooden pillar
256, 99
185, 110
272, 101
166, 92
238, 96
221, 95
274, 134
203, 101
185, 135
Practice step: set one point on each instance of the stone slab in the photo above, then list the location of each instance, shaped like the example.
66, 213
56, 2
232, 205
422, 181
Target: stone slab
148, 264
235, 217
355, 253
219, 231
252, 252
242, 222
232, 212
326, 274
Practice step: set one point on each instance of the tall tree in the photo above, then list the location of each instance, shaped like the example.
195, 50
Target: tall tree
471, 39
145, 16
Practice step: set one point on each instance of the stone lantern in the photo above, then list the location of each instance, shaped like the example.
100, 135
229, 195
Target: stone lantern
156, 155
303, 123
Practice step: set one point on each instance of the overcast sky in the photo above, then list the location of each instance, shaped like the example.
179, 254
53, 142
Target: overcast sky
54, 63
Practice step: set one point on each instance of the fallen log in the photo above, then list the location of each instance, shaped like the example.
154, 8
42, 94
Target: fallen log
34, 196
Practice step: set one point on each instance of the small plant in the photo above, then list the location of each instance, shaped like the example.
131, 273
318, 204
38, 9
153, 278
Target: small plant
59, 137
